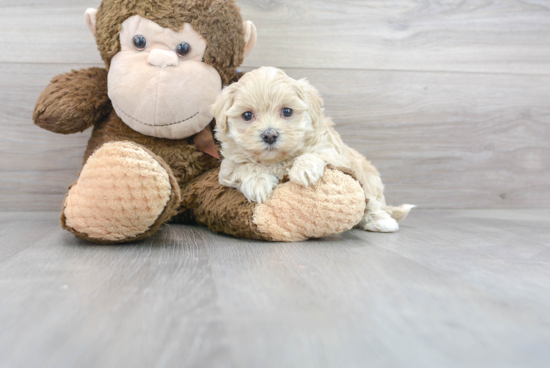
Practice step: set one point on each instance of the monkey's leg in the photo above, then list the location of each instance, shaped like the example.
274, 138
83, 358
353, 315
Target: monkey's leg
124, 193
293, 213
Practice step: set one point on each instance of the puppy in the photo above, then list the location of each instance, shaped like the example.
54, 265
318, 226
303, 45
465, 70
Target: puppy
271, 125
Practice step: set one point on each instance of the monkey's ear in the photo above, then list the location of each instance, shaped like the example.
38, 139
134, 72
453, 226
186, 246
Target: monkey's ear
312, 97
221, 106
250, 37
90, 17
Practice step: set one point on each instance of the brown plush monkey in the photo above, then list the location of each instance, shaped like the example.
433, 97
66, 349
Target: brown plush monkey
151, 157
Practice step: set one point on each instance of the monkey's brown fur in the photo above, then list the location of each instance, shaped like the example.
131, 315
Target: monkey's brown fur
217, 21
73, 102
77, 100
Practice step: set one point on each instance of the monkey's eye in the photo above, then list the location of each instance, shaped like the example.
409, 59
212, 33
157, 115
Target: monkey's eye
247, 116
287, 112
140, 42
183, 49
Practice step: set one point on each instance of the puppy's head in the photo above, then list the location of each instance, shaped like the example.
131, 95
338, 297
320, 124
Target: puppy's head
267, 115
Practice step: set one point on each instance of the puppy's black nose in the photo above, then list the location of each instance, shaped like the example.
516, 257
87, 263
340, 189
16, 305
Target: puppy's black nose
270, 136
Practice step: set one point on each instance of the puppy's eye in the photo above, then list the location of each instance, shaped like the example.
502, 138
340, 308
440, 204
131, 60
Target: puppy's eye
140, 42
287, 112
247, 116
183, 49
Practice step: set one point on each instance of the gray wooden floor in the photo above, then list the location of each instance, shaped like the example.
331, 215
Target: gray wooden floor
463, 288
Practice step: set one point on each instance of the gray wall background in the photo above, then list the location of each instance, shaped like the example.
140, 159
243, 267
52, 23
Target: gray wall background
449, 99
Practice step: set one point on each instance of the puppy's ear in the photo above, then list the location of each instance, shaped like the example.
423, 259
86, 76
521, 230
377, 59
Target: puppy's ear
312, 97
222, 105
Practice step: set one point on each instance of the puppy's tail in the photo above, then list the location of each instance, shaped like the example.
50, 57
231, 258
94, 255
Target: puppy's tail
399, 213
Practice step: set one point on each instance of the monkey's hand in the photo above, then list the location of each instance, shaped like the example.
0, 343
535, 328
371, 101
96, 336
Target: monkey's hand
259, 187
307, 170
73, 102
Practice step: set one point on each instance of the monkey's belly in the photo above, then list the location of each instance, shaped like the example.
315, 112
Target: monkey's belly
181, 155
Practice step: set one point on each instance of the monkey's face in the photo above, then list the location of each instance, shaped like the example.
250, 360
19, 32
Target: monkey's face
158, 82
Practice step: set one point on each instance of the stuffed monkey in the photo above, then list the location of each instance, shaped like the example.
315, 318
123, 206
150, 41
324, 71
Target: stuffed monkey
152, 157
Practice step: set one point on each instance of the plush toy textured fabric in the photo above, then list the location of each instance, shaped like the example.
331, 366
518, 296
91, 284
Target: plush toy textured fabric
164, 59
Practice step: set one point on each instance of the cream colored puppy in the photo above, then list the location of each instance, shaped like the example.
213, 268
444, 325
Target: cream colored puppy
271, 125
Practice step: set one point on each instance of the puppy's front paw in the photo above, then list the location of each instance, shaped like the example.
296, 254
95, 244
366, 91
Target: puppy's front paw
307, 170
259, 188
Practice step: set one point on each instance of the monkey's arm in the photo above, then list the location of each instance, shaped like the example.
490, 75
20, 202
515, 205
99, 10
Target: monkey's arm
73, 102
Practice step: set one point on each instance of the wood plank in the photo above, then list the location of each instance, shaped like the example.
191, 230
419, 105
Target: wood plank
446, 140
510, 36
50, 31
440, 140
495, 36
85, 295
436, 294
36, 166
451, 289
15, 233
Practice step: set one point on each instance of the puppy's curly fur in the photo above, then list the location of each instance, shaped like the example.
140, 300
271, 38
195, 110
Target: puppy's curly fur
271, 126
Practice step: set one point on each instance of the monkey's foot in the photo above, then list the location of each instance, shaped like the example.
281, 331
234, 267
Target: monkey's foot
295, 213
124, 193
